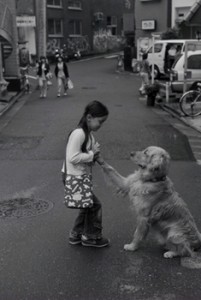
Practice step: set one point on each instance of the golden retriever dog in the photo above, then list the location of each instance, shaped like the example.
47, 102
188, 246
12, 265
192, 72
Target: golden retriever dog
158, 206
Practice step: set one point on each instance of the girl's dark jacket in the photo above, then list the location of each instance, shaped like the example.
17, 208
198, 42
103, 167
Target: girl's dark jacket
65, 70
47, 69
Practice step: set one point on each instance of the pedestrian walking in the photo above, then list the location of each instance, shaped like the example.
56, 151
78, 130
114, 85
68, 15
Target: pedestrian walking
62, 74
42, 72
145, 73
81, 153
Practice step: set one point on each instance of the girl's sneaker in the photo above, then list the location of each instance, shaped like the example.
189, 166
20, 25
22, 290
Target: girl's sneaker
74, 240
97, 243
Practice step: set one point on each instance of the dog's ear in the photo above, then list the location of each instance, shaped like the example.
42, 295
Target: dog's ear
160, 164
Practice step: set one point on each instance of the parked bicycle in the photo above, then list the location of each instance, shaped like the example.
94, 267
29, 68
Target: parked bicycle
190, 102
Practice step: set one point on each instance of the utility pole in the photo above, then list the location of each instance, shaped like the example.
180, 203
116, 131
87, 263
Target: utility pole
40, 6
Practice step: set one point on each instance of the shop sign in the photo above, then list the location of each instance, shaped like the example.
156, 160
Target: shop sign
26, 21
148, 24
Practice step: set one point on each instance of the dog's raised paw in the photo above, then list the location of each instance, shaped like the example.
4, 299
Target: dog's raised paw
129, 247
169, 254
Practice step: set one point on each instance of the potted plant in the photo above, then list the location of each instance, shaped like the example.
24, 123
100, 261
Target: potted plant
151, 91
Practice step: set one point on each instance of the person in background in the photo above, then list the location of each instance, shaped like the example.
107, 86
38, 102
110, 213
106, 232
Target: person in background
145, 73
43, 70
62, 75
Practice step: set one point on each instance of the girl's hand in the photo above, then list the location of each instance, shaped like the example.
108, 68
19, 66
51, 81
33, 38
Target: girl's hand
96, 148
99, 159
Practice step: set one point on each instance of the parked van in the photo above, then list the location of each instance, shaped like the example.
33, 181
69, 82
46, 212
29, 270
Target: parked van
165, 52
191, 76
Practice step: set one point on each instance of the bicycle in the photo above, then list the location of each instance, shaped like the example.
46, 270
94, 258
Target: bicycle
190, 102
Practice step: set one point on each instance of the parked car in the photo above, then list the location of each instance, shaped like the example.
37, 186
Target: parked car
167, 48
193, 71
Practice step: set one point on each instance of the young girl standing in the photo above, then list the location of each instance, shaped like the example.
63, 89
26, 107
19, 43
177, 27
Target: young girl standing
81, 152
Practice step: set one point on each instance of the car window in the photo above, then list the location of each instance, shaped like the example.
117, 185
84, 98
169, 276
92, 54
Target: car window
157, 48
193, 47
194, 62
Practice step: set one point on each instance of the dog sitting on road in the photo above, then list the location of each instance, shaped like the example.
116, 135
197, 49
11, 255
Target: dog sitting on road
158, 206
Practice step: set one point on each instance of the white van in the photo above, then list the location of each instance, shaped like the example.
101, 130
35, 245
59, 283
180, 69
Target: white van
162, 48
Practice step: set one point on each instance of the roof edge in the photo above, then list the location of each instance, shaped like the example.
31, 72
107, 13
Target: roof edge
192, 11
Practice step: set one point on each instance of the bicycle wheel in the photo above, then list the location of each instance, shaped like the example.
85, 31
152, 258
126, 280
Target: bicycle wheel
190, 103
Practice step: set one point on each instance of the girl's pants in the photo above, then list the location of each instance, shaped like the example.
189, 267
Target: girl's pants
61, 82
43, 87
145, 80
89, 221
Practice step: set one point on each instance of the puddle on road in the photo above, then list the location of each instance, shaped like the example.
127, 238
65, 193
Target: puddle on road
172, 140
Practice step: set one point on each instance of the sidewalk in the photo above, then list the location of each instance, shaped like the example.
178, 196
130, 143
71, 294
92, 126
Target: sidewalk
7, 101
174, 109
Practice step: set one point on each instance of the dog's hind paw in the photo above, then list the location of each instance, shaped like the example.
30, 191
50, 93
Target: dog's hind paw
170, 254
130, 247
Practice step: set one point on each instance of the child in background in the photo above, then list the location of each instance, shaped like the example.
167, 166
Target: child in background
43, 70
62, 75
145, 73
81, 152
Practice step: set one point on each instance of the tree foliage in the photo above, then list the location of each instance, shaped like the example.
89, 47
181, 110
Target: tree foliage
170, 34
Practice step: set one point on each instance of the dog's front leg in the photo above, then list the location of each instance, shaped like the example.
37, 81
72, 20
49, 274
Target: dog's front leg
118, 180
140, 234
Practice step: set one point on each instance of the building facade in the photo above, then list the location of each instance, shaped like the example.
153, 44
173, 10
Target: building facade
180, 9
9, 62
88, 25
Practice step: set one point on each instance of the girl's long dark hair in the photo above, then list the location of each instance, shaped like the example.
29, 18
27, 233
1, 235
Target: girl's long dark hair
97, 110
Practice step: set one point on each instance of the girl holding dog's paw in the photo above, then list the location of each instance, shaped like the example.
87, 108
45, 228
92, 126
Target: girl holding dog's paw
81, 152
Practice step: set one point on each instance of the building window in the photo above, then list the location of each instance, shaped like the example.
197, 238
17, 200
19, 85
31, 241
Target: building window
55, 3
55, 27
112, 24
75, 27
74, 5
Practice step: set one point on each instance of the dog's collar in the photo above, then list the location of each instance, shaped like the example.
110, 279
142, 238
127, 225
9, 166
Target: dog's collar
158, 179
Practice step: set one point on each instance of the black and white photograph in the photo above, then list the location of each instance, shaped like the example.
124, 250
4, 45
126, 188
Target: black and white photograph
100, 149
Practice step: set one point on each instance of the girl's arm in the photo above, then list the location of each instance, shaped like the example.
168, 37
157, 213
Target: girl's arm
74, 152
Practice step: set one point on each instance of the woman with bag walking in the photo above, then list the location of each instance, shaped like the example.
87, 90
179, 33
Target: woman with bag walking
81, 153
62, 75
42, 72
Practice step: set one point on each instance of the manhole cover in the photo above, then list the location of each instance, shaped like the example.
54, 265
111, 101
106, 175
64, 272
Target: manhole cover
23, 207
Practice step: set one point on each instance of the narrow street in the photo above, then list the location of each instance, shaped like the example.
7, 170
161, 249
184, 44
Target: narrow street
37, 263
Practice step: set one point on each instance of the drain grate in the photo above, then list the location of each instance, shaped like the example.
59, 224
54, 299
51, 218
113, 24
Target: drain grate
23, 207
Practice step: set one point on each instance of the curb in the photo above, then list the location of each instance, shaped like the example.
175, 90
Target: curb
177, 115
13, 100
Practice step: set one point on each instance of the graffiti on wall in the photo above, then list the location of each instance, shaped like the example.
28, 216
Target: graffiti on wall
80, 43
104, 41
52, 45
73, 44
